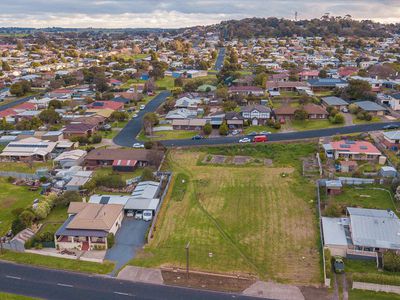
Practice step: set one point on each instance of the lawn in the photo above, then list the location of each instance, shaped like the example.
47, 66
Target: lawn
6, 296
58, 263
241, 220
104, 171
168, 135
365, 196
375, 119
369, 295
11, 198
22, 167
311, 124
167, 82
109, 134
259, 129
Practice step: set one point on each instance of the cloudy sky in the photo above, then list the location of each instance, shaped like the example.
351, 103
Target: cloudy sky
180, 13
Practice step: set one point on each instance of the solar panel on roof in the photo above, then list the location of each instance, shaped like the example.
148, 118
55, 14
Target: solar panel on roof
344, 146
363, 147
104, 200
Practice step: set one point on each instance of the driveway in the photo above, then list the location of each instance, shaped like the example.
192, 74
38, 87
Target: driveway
129, 238
348, 119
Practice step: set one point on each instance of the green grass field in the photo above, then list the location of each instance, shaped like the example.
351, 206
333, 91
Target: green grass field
358, 121
311, 124
168, 135
242, 220
167, 82
369, 295
366, 197
58, 263
13, 197
22, 167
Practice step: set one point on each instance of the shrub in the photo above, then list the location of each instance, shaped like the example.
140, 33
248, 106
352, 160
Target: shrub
110, 240
223, 129
333, 210
147, 174
27, 218
207, 129
10, 179
68, 197
17, 226
391, 261
148, 145
277, 125
96, 139
338, 119
109, 181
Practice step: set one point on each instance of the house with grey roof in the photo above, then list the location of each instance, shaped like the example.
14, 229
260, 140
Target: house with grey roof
364, 232
256, 114
335, 102
371, 107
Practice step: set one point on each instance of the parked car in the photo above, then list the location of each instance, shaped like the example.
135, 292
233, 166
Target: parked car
235, 132
134, 116
265, 132
139, 215
142, 106
252, 133
197, 137
147, 215
391, 126
260, 139
130, 213
345, 110
137, 145
338, 265
244, 140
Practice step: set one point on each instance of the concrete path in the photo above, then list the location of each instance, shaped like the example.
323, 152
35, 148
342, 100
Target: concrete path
274, 290
139, 274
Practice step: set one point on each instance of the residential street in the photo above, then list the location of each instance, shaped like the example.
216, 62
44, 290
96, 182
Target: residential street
220, 59
15, 103
53, 284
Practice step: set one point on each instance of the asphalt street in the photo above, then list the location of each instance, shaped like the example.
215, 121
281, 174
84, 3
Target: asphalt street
15, 103
53, 284
219, 63
127, 136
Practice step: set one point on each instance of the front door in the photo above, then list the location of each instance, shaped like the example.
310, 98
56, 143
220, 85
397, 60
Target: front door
255, 122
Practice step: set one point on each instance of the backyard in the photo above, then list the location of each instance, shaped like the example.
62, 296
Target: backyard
24, 167
243, 219
13, 197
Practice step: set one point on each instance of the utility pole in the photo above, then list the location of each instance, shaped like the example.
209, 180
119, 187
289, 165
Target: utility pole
187, 260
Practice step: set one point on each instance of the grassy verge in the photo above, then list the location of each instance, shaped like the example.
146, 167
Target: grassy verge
312, 124
6, 296
168, 135
365, 295
58, 263
358, 121
258, 129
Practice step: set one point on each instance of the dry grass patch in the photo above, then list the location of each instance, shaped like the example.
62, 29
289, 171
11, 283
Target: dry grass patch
243, 220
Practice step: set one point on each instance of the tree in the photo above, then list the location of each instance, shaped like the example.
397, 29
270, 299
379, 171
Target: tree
223, 129
119, 116
149, 120
229, 105
323, 74
222, 92
66, 198
300, 114
95, 139
27, 217
207, 129
56, 104
147, 174
4, 125
338, 119
17, 226
5, 66
178, 82
16, 89
50, 116
148, 145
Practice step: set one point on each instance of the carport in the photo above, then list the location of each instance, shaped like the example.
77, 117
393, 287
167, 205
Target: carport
130, 237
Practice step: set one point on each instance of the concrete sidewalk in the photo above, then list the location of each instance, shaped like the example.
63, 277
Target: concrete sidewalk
139, 274
274, 290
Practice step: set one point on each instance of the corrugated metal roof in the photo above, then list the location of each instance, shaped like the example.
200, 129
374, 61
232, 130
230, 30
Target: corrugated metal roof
334, 232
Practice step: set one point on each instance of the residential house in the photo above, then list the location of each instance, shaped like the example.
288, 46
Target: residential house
352, 150
71, 158
106, 105
28, 148
246, 90
189, 124
284, 113
78, 130
256, 114
181, 113
107, 157
335, 102
88, 226
363, 232
321, 84
371, 107
308, 74
285, 85
391, 139
234, 119
315, 111
188, 103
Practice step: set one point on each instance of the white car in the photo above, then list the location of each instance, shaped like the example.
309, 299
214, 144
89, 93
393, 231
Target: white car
134, 116
142, 106
137, 145
147, 215
244, 140
130, 213
139, 215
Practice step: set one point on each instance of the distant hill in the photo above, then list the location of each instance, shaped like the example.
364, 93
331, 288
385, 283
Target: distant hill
326, 26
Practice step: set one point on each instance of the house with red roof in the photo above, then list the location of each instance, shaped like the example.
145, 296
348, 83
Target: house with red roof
106, 105
352, 150
308, 74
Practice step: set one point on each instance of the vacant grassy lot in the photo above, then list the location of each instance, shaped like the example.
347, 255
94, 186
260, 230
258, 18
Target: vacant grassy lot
58, 263
167, 135
13, 197
365, 295
239, 219
22, 167
311, 124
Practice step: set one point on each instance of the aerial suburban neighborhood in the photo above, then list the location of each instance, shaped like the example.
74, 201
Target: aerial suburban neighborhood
253, 158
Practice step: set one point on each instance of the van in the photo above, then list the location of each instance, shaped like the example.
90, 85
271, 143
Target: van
260, 139
147, 215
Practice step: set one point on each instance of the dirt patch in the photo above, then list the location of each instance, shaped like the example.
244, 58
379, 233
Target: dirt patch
312, 293
207, 281
241, 160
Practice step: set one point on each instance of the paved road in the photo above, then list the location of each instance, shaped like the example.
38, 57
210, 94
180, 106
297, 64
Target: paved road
129, 238
53, 284
127, 136
299, 135
220, 59
15, 103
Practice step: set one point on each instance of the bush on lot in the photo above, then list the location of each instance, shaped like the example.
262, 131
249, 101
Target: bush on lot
333, 210
148, 145
109, 181
110, 240
66, 198
147, 174
391, 261
95, 139
17, 226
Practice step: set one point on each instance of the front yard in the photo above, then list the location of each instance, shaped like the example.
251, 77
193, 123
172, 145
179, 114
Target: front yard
167, 135
239, 219
300, 125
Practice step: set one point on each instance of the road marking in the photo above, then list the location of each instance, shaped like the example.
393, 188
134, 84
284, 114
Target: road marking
66, 285
13, 277
123, 294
